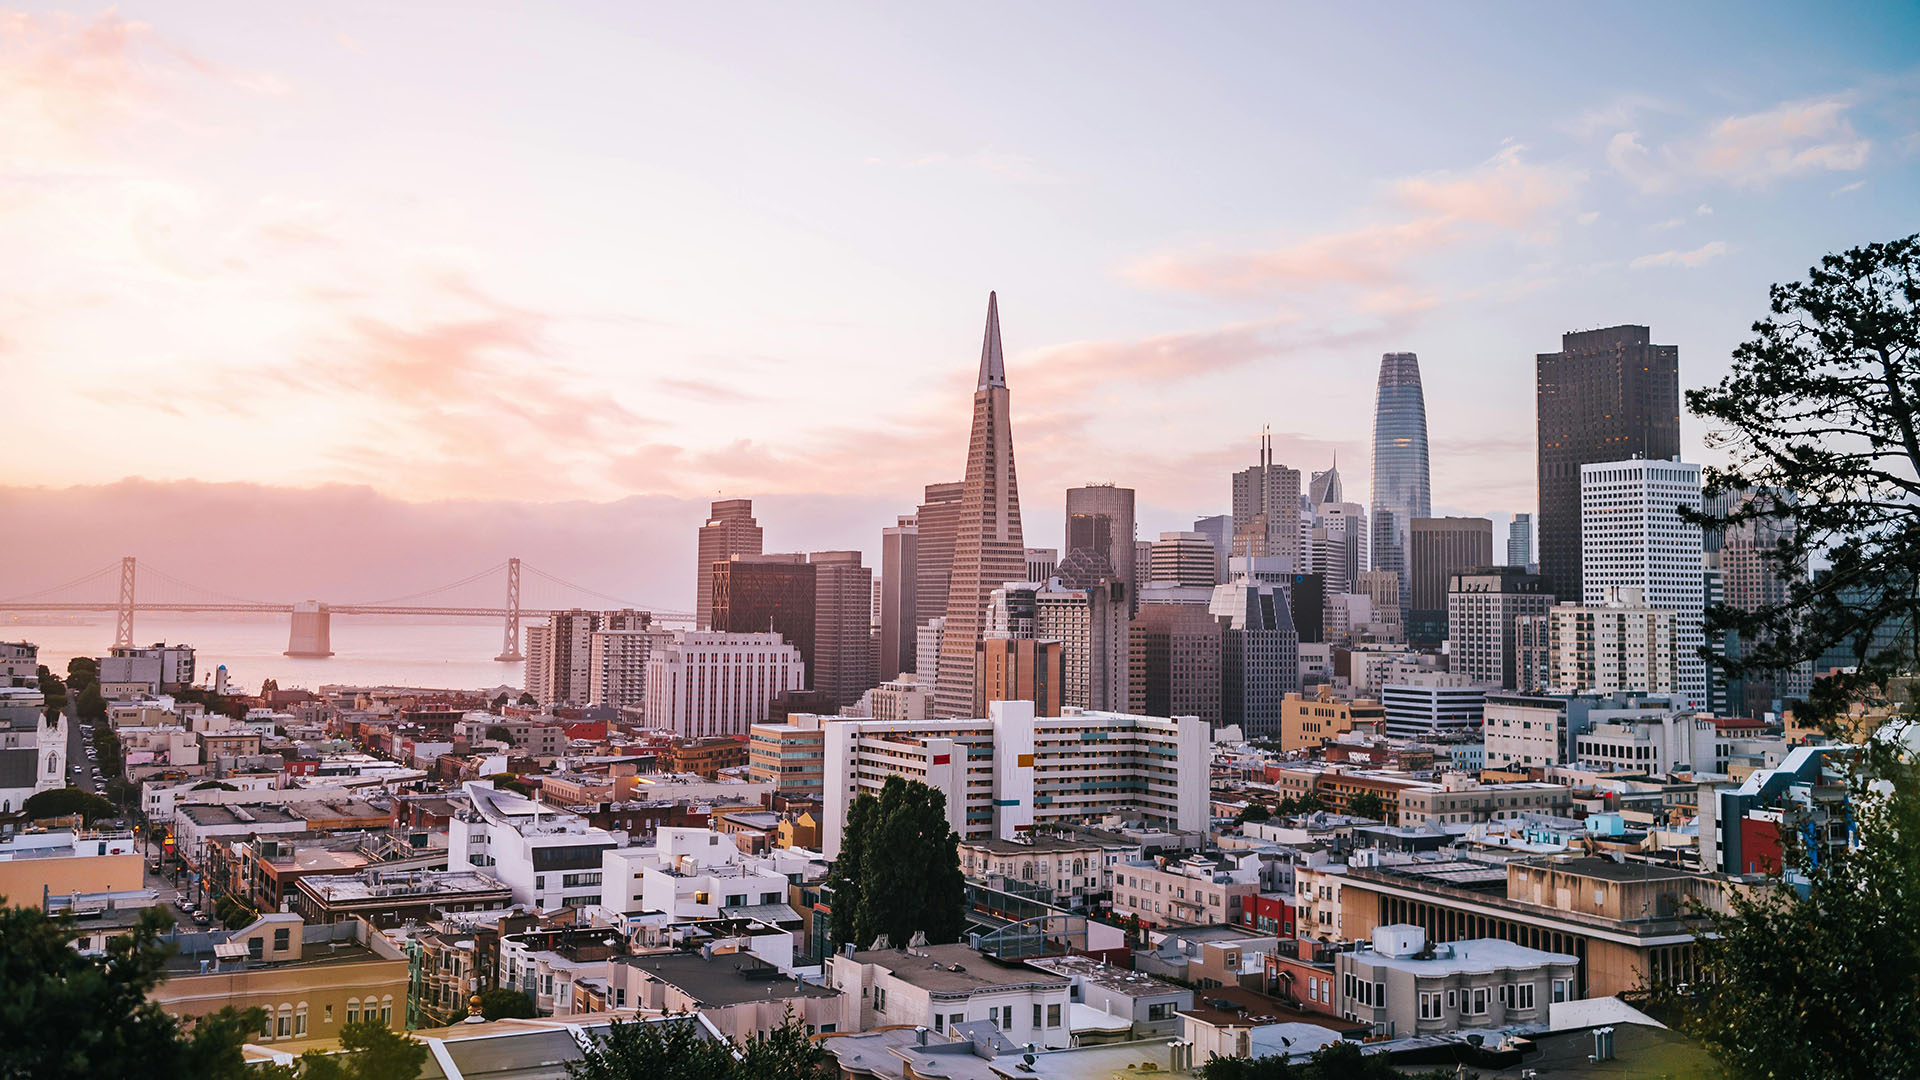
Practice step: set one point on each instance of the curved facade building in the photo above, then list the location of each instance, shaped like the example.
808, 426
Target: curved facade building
1402, 489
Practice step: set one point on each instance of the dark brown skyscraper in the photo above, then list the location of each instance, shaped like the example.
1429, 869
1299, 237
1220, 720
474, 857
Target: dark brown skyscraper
1175, 665
753, 594
1607, 395
988, 550
843, 645
728, 531
1439, 548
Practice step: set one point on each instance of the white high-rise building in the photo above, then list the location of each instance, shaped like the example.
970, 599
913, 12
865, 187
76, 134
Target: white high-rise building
1091, 626
1621, 646
705, 682
617, 665
1632, 537
1004, 773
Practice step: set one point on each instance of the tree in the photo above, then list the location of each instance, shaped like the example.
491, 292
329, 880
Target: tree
506, 781
213, 785
529, 701
369, 1051
66, 1015
902, 868
65, 802
1367, 804
504, 1003
671, 1049
1818, 973
1823, 404
91, 703
500, 733
786, 1052
268, 686
1253, 812
500, 702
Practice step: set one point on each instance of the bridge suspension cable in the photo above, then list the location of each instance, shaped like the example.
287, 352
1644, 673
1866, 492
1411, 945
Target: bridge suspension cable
583, 590
449, 587
147, 568
111, 570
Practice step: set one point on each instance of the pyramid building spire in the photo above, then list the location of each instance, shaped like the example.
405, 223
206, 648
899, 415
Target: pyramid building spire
988, 548
993, 364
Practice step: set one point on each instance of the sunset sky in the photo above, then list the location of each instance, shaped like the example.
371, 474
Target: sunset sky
583, 252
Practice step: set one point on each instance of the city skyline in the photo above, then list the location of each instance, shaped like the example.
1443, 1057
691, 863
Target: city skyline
1571, 209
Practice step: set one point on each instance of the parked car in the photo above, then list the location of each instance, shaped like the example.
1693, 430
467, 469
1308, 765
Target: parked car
201, 918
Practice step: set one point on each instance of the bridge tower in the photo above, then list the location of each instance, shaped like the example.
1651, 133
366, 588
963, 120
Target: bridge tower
510, 644
123, 621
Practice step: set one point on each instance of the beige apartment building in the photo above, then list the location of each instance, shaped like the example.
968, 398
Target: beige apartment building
310, 981
1308, 722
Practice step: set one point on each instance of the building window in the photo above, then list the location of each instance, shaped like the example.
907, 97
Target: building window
353, 1010
1523, 996
256, 948
1562, 989
1477, 1006
282, 938
1053, 1016
386, 1011
879, 999
300, 1020
326, 1014
285, 1027
1430, 1006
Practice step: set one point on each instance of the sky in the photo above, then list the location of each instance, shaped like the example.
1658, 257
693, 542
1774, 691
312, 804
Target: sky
553, 265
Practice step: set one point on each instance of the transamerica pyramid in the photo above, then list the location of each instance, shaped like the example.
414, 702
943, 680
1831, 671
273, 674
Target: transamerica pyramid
988, 550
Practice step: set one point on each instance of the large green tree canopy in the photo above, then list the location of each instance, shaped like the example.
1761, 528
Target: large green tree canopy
898, 872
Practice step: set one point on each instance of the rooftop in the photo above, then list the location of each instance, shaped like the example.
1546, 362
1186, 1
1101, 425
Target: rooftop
1035, 844
1608, 870
1089, 970
214, 815
1473, 956
952, 969
723, 979
347, 888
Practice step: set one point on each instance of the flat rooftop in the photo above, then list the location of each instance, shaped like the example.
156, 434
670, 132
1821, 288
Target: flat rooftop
1473, 956
723, 979
214, 815
1037, 844
1608, 870
399, 886
952, 969
1087, 969
315, 954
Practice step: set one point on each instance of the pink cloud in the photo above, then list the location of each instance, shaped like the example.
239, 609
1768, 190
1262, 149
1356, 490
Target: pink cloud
1505, 191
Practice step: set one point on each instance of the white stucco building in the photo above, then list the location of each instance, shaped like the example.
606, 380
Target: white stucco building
705, 682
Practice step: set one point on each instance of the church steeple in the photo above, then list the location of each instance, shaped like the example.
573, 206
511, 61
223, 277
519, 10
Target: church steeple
993, 365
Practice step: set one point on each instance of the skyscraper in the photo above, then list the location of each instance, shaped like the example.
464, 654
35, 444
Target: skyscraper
729, 530
1325, 487
1218, 529
1438, 548
758, 594
936, 519
842, 666
1607, 395
1483, 606
899, 595
1633, 538
1520, 541
1101, 516
1184, 558
1174, 662
1260, 652
1402, 486
1266, 509
987, 547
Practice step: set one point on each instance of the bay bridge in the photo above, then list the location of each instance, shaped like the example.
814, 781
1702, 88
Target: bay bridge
310, 633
